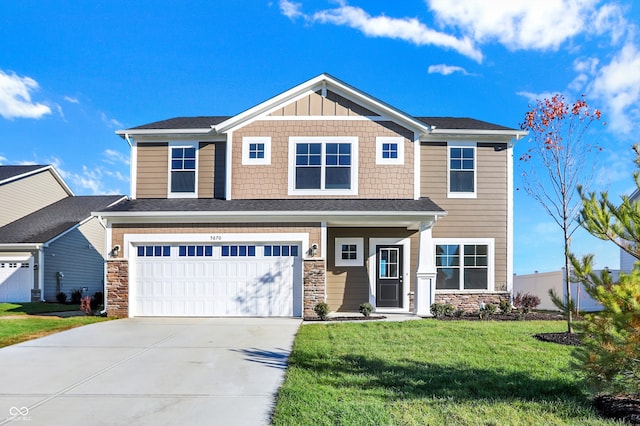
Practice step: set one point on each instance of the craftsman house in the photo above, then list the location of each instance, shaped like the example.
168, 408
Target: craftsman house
322, 193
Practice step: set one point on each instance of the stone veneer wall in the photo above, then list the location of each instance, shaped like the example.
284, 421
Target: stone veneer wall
314, 285
117, 287
470, 302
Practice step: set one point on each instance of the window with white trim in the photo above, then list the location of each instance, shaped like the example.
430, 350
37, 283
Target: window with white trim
389, 150
182, 167
349, 251
256, 150
240, 250
323, 165
154, 251
464, 265
462, 169
280, 250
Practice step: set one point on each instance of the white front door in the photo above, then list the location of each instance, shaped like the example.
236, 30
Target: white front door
16, 280
218, 280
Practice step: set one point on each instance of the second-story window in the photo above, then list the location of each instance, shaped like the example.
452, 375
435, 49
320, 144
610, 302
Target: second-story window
183, 170
256, 150
462, 170
323, 166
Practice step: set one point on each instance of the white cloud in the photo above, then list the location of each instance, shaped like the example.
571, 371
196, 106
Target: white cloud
15, 97
110, 122
89, 181
290, 9
113, 157
71, 100
3, 159
407, 29
533, 97
617, 84
446, 69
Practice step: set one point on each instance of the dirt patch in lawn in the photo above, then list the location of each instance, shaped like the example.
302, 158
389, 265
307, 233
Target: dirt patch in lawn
620, 407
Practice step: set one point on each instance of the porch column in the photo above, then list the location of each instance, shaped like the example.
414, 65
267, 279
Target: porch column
426, 274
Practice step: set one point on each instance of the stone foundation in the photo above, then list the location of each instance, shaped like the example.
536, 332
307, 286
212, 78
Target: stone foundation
314, 285
117, 288
470, 302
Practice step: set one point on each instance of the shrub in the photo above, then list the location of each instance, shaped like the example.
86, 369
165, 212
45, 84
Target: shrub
85, 306
525, 303
440, 310
490, 308
366, 309
76, 296
61, 297
458, 313
505, 307
322, 310
97, 301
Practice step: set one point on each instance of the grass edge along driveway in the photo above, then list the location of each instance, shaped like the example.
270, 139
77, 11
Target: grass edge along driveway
18, 324
432, 373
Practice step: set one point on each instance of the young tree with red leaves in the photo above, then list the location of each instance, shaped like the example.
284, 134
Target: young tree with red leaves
559, 160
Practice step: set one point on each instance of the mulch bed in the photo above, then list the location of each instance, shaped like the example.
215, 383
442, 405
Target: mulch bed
348, 318
621, 407
531, 316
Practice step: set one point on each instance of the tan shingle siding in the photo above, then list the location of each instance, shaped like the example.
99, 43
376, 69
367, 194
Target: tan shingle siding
152, 170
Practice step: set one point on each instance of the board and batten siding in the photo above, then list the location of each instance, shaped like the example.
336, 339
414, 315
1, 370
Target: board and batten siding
27, 195
348, 286
77, 254
481, 217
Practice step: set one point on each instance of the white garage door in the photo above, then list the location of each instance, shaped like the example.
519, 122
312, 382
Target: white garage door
16, 280
218, 280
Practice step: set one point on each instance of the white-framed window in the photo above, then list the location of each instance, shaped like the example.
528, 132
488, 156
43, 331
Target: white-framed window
464, 264
462, 169
323, 165
389, 150
256, 150
183, 161
349, 251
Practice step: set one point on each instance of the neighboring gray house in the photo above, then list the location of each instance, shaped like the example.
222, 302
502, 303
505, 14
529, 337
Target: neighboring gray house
49, 241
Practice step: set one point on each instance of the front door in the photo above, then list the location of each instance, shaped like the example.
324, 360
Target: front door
389, 276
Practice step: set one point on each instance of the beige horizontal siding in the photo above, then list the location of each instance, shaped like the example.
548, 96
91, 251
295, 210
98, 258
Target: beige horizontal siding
481, 217
152, 170
206, 154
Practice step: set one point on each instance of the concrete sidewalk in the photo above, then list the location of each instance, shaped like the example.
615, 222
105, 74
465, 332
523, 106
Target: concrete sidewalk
153, 371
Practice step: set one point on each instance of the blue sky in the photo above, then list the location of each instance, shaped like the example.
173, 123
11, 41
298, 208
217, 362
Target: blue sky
73, 72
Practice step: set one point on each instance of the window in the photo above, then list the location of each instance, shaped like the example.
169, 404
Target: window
323, 165
280, 250
238, 251
195, 251
462, 170
349, 251
464, 266
256, 150
183, 171
154, 251
389, 150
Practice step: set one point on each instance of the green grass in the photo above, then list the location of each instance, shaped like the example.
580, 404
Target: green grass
16, 330
34, 308
431, 373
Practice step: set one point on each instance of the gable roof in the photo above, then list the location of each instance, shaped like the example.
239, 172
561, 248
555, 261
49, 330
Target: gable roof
12, 173
461, 123
49, 222
205, 123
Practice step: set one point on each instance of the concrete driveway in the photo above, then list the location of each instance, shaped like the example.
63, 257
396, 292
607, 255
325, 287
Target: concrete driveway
148, 371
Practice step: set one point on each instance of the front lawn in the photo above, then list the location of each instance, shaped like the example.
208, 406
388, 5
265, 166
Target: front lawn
16, 330
431, 373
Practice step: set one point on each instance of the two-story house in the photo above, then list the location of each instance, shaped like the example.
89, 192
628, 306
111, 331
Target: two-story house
322, 193
49, 241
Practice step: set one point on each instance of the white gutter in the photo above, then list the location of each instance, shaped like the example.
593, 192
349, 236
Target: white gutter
134, 132
21, 246
274, 213
513, 133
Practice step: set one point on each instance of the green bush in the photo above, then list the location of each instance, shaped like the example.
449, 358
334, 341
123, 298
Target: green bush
490, 308
366, 309
76, 296
322, 310
505, 307
61, 297
440, 310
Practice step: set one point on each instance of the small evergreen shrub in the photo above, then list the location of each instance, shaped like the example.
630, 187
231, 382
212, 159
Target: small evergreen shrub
322, 310
61, 297
440, 310
366, 309
490, 309
505, 307
458, 313
76, 296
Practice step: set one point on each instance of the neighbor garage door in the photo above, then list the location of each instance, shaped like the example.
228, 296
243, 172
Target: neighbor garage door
218, 280
16, 280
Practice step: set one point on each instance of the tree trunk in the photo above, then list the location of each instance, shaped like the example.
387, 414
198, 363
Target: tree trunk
567, 280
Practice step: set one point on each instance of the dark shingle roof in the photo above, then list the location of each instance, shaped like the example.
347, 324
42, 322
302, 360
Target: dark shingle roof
49, 222
7, 172
287, 205
461, 123
184, 123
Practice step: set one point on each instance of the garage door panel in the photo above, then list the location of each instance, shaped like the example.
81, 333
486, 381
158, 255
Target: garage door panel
16, 280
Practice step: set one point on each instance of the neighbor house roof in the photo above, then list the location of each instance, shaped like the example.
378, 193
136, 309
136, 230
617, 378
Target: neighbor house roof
10, 172
51, 221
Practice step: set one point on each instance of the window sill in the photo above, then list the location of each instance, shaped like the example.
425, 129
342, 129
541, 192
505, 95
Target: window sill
462, 195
